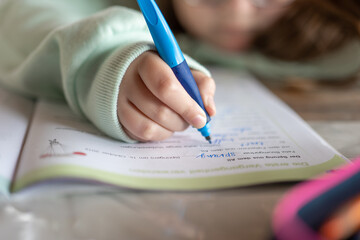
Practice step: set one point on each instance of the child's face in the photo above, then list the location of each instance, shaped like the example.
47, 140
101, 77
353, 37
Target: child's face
230, 25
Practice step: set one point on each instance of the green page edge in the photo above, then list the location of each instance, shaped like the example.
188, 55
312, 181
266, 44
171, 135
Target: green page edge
200, 183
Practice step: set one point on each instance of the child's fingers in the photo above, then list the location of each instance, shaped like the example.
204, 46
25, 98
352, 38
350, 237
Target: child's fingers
207, 89
140, 127
162, 82
154, 109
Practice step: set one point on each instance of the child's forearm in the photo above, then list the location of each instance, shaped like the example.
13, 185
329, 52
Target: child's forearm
75, 55
61, 50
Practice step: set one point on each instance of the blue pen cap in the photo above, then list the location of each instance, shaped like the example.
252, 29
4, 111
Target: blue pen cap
162, 35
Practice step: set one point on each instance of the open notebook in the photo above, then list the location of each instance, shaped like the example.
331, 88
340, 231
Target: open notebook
256, 139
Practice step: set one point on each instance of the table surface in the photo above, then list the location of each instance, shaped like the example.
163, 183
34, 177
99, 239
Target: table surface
93, 212
331, 109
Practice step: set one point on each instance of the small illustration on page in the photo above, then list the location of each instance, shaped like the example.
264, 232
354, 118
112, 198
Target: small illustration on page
57, 149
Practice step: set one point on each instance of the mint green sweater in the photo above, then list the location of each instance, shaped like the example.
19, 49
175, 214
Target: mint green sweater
80, 50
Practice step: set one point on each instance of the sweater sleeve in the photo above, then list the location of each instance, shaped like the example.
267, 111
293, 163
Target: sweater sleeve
72, 50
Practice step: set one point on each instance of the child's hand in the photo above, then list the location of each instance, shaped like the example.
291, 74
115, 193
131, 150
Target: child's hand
152, 104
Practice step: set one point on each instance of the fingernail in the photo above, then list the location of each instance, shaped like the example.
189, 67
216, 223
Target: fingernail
199, 121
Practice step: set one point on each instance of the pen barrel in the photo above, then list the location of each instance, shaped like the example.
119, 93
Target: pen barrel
185, 77
170, 52
163, 37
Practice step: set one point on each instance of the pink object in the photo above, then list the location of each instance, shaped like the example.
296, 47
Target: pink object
286, 223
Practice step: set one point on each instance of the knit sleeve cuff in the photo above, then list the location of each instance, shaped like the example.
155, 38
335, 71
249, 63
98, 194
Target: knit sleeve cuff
196, 66
102, 102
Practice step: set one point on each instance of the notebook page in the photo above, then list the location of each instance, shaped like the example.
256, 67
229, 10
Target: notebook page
256, 139
15, 113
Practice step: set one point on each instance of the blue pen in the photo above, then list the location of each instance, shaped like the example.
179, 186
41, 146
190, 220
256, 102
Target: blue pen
170, 52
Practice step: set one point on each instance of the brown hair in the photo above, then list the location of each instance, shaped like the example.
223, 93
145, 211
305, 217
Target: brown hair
167, 9
310, 28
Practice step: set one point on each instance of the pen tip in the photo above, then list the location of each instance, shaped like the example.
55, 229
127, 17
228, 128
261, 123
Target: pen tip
208, 138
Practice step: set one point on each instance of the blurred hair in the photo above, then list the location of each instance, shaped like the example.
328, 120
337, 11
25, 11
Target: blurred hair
307, 29
310, 28
167, 9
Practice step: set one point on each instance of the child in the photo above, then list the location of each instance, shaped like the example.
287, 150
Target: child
101, 59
